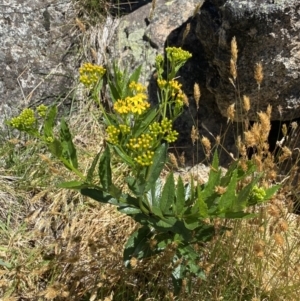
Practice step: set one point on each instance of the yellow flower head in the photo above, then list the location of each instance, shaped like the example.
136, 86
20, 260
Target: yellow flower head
90, 74
42, 110
137, 87
136, 104
25, 121
177, 55
113, 134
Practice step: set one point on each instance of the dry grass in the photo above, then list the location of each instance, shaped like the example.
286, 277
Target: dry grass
57, 245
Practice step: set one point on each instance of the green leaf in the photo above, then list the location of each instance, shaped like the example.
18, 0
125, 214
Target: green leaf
129, 210
166, 222
168, 194
127, 199
191, 222
154, 194
136, 185
215, 163
159, 160
239, 214
73, 185
180, 198
114, 93
98, 195
105, 170
156, 211
143, 123
135, 75
69, 150
208, 192
5, 264
228, 198
49, 122
271, 191
137, 245
55, 148
90, 173
124, 156
177, 276
241, 202
204, 233
201, 205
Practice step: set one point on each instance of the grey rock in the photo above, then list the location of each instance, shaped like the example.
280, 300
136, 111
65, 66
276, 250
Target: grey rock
143, 33
38, 53
266, 32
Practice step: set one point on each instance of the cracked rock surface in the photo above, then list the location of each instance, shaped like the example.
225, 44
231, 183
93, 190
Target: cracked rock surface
37, 50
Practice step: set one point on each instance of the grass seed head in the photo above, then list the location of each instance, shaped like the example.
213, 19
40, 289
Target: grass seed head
280, 109
284, 130
282, 225
185, 100
294, 125
230, 113
279, 240
80, 25
182, 159
207, 145
220, 190
258, 248
218, 140
194, 134
234, 50
258, 74
286, 154
197, 94
233, 71
246, 103
173, 160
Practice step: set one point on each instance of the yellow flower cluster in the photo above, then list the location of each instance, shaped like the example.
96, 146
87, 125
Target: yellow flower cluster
159, 60
136, 104
178, 55
165, 129
145, 159
140, 143
25, 121
137, 87
141, 146
125, 129
90, 74
42, 110
175, 89
113, 134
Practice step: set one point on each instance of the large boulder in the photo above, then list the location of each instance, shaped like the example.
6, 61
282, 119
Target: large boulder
267, 31
143, 33
37, 53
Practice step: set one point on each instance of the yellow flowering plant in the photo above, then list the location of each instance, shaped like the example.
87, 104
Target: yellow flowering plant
138, 133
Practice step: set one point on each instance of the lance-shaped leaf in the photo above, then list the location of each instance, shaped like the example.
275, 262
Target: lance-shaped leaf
69, 150
227, 199
105, 170
90, 173
49, 122
135, 75
159, 160
168, 194
241, 201
180, 198
98, 195
73, 185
